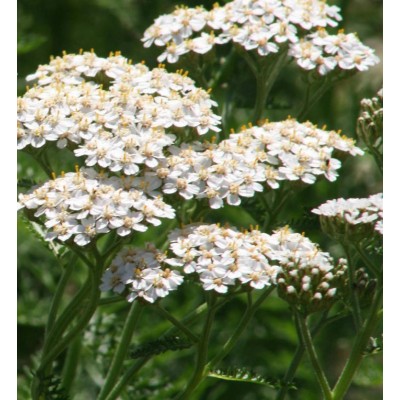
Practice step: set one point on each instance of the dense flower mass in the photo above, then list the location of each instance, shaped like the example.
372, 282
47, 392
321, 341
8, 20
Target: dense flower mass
223, 257
264, 26
141, 273
352, 217
84, 204
120, 126
241, 165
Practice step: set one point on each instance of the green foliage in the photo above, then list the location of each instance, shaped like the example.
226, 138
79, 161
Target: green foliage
247, 376
159, 346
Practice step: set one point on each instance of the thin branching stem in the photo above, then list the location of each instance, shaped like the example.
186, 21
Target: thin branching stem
360, 344
202, 352
121, 351
162, 311
306, 338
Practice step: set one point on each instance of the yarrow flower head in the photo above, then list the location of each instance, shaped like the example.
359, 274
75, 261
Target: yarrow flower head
84, 204
121, 125
309, 279
222, 257
140, 273
324, 52
250, 160
264, 26
352, 219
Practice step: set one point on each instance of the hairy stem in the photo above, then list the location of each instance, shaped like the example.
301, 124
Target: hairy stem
202, 353
360, 344
71, 364
55, 304
306, 338
355, 303
265, 79
121, 352
162, 311
247, 316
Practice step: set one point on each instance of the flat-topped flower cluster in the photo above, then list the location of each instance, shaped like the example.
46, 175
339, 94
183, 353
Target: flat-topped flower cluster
221, 258
348, 216
85, 203
120, 126
265, 26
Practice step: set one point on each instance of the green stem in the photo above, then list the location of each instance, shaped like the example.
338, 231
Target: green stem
247, 56
366, 260
202, 353
66, 317
111, 300
378, 157
90, 308
56, 344
226, 66
306, 338
127, 377
265, 79
247, 316
55, 304
311, 100
298, 355
353, 292
361, 343
71, 364
121, 352
162, 311
189, 319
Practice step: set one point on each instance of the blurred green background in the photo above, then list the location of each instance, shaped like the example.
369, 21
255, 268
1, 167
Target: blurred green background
47, 27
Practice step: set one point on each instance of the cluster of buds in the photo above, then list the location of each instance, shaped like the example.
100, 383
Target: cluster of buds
309, 279
370, 122
352, 219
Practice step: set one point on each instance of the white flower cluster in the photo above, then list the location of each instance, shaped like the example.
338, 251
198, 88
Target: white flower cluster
120, 127
308, 277
326, 52
262, 25
223, 257
340, 215
86, 203
142, 274
239, 166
